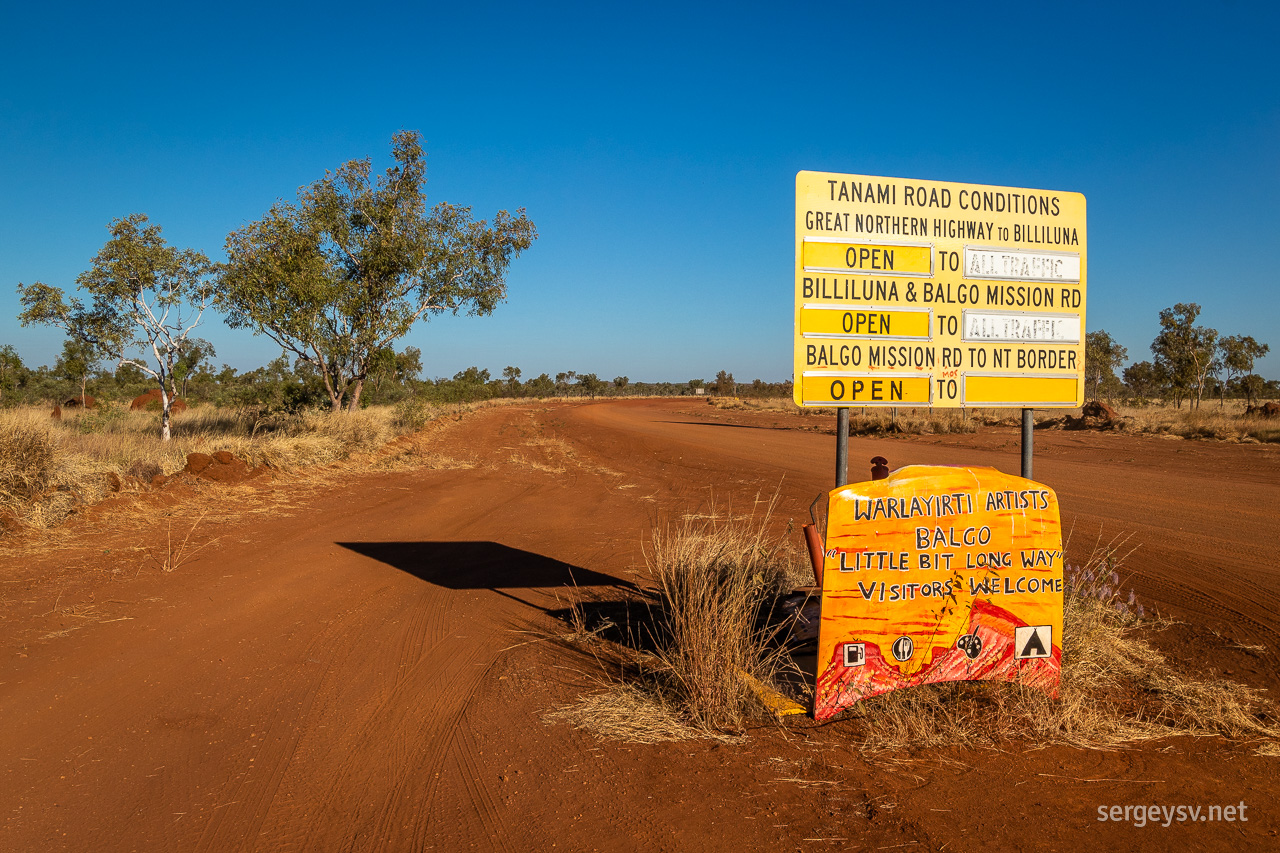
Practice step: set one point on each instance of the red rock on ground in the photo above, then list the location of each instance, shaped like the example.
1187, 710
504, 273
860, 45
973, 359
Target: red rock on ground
1095, 415
1098, 409
87, 401
221, 467
197, 462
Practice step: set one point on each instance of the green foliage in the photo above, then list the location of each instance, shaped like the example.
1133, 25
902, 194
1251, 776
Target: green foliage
1146, 381
466, 386
540, 386
511, 377
1238, 354
13, 374
414, 413
357, 261
1102, 355
193, 361
1185, 351
563, 381
102, 418
590, 384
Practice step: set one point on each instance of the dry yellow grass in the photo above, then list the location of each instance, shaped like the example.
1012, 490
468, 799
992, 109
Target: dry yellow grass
49, 468
694, 665
628, 713
1210, 421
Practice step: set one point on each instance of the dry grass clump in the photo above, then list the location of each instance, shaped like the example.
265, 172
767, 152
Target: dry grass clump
40, 484
865, 420
629, 713
755, 404
678, 670
683, 667
714, 579
1210, 421
1115, 689
27, 453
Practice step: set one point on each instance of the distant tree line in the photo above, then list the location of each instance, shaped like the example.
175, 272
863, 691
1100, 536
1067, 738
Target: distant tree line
1189, 362
287, 384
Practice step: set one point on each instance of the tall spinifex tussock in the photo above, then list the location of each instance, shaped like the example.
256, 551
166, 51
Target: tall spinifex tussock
715, 576
27, 452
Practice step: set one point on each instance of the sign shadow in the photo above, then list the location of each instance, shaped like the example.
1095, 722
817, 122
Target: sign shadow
482, 565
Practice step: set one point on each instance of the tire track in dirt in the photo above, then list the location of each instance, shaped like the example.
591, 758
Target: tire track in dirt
292, 713
362, 745
477, 815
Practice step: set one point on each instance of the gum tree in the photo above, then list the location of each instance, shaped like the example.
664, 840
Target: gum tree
145, 299
352, 265
11, 370
1238, 355
1185, 351
1102, 355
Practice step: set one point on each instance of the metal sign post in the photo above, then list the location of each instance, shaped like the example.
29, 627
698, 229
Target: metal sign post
842, 446
1028, 433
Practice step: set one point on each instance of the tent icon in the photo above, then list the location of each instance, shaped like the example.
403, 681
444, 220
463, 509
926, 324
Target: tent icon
1032, 641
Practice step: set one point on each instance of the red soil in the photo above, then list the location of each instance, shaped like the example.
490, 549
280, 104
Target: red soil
366, 672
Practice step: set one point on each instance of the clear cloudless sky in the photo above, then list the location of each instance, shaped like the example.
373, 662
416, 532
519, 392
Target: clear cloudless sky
655, 146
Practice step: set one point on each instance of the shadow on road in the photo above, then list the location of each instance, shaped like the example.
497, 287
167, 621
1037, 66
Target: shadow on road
481, 565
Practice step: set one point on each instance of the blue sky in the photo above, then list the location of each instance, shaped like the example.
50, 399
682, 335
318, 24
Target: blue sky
655, 146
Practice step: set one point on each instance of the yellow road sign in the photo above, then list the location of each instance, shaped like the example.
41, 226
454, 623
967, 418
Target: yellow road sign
971, 295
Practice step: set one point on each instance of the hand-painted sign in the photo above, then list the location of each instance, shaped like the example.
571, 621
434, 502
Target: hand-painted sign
933, 293
939, 574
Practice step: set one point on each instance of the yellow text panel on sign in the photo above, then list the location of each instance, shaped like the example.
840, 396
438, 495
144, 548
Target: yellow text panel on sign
871, 322
1022, 390
867, 258
865, 390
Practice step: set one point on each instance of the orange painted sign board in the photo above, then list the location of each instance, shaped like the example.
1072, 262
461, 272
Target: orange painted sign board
939, 574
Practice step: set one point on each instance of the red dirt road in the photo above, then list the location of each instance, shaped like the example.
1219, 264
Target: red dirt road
368, 670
